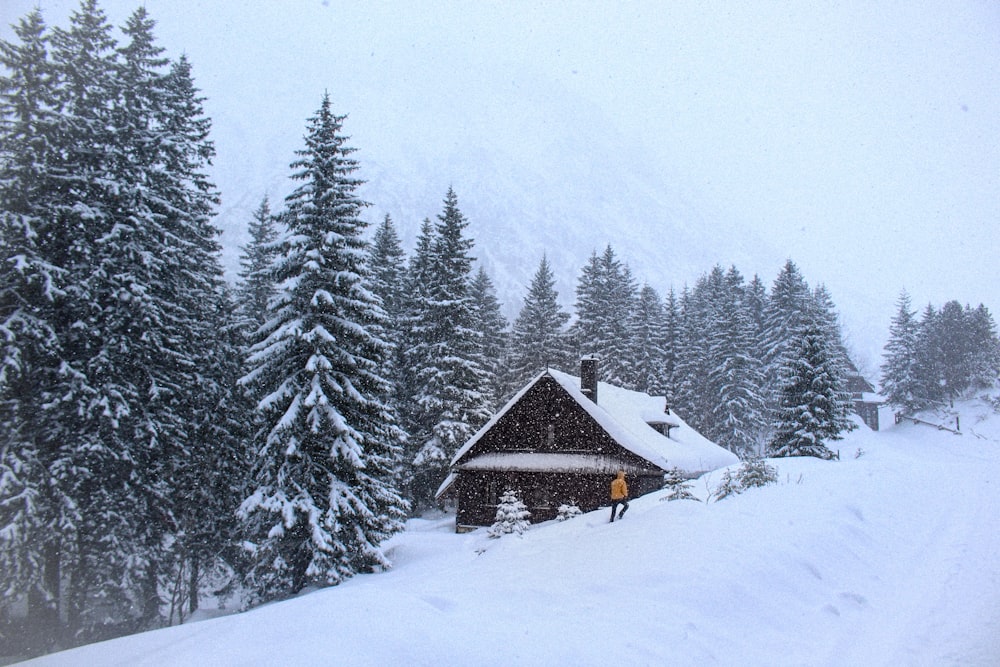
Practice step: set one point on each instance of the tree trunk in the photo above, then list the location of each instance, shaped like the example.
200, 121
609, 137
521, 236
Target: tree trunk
43, 604
151, 599
193, 584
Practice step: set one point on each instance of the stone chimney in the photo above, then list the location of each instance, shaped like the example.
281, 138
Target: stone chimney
589, 376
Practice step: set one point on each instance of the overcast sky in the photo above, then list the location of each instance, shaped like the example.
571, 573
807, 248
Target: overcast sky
860, 139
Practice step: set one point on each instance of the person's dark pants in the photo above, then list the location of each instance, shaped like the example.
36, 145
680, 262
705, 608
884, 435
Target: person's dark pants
614, 506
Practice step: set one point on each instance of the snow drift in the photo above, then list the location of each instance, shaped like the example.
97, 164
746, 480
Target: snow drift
890, 556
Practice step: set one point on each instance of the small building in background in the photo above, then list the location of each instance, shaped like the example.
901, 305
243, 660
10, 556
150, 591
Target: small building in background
866, 401
561, 440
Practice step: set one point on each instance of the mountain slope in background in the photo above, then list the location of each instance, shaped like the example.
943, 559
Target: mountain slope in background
890, 556
855, 140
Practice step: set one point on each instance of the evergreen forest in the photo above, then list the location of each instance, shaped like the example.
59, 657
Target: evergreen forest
166, 435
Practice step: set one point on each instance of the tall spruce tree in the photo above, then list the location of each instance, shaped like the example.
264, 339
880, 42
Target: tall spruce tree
606, 296
489, 322
699, 355
388, 262
984, 348
118, 156
648, 339
208, 463
118, 328
323, 501
670, 344
449, 400
34, 512
415, 354
735, 379
930, 371
899, 370
539, 339
789, 307
953, 349
388, 265
811, 412
688, 396
256, 284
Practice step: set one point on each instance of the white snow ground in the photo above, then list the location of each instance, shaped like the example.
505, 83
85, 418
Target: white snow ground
892, 558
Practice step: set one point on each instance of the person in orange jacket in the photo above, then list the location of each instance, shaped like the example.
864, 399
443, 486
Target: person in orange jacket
619, 495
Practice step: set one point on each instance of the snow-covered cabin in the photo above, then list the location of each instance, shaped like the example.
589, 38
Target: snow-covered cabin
562, 441
866, 401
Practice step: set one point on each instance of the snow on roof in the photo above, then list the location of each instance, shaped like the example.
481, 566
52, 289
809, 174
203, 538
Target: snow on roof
445, 484
625, 415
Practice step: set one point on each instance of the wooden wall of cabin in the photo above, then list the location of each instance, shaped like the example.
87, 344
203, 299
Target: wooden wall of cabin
547, 419
479, 492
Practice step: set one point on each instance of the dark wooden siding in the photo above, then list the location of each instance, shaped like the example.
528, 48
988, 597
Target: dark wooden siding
479, 493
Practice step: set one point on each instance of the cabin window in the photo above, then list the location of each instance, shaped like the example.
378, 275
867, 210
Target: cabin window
550, 436
662, 428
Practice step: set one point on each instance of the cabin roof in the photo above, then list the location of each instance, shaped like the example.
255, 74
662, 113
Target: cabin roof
626, 416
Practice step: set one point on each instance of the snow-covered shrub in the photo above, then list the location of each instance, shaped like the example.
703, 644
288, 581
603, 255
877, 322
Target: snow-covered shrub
512, 516
757, 472
729, 486
568, 511
679, 487
753, 473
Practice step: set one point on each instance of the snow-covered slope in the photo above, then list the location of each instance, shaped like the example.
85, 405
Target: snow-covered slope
887, 558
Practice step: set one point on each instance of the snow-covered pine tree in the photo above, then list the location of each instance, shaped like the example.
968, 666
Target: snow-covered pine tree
623, 349
899, 379
323, 501
929, 370
388, 265
670, 344
678, 485
389, 283
449, 400
699, 307
33, 511
735, 379
414, 353
648, 338
538, 339
829, 322
757, 472
568, 511
138, 270
691, 365
255, 289
112, 409
492, 326
788, 307
953, 347
211, 461
212, 480
956, 349
256, 285
756, 299
512, 516
812, 409
606, 296
984, 348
